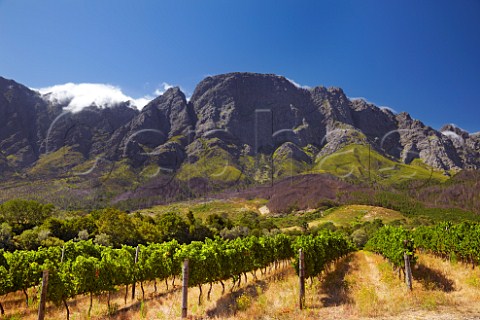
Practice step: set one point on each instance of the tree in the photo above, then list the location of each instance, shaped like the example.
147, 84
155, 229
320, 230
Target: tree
87, 222
118, 226
28, 240
359, 237
146, 229
103, 239
198, 231
218, 222
249, 219
5, 236
62, 229
172, 226
24, 214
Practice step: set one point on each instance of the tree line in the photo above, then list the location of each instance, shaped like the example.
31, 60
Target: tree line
27, 225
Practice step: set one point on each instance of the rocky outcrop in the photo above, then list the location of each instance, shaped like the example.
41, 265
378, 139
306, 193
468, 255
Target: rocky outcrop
467, 145
265, 111
159, 133
88, 131
262, 111
24, 116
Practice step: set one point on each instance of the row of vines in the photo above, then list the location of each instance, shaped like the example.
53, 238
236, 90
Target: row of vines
451, 241
84, 268
445, 240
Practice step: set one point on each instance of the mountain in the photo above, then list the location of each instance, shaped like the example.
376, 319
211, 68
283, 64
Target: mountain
236, 129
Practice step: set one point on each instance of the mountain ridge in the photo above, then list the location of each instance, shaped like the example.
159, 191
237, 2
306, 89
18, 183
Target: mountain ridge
233, 116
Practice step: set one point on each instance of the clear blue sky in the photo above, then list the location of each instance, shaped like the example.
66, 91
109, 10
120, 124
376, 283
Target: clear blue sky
422, 57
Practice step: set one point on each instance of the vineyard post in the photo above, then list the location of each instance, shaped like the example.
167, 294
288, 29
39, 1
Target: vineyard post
408, 269
185, 288
43, 296
136, 260
301, 273
63, 254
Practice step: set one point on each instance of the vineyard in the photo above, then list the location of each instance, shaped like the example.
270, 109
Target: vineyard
83, 268
219, 268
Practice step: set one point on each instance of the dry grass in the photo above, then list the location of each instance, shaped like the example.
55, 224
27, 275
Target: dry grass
347, 214
458, 281
360, 286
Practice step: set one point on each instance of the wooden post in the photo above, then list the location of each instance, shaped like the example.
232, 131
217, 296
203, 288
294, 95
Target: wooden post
301, 273
63, 254
43, 296
408, 271
136, 260
408, 268
185, 288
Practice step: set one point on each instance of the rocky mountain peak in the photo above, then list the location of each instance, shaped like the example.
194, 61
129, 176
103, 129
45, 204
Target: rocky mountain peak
240, 113
451, 128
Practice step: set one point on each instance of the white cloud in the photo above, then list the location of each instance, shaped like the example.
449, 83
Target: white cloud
370, 102
456, 126
360, 98
452, 135
297, 84
80, 95
165, 87
389, 109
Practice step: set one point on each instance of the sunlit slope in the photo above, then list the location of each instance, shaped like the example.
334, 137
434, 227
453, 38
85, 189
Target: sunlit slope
358, 162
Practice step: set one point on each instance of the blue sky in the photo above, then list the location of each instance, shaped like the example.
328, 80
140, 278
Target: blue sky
422, 57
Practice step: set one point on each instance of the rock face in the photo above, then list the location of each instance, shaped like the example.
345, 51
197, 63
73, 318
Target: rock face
467, 145
24, 116
88, 131
160, 130
244, 114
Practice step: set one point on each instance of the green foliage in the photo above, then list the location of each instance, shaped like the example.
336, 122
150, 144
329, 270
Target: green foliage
214, 164
219, 222
146, 229
91, 269
28, 240
392, 243
359, 163
255, 222
296, 219
87, 270
172, 226
451, 240
59, 161
6, 236
24, 214
122, 176
359, 237
62, 229
103, 239
410, 206
61, 282
218, 260
320, 250
118, 226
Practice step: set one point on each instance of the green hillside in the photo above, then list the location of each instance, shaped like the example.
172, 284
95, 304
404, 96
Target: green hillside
357, 162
